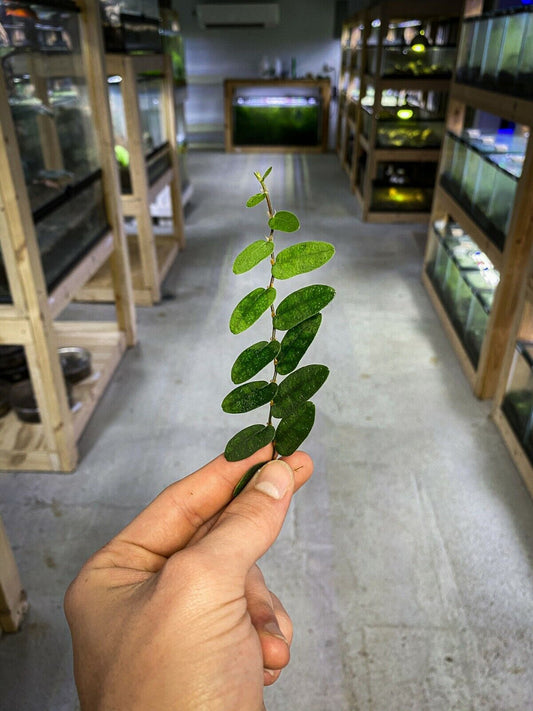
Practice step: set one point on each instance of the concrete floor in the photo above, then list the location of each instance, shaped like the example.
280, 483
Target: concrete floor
406, 562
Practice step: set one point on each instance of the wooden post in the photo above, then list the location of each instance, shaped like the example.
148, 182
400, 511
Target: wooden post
13, 603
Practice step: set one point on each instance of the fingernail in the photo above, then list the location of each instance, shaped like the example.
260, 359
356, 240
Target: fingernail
274, 479
272, 628
271, 672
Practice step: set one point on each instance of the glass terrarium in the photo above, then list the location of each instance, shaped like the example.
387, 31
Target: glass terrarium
475, 57
131, 25
276, 119
406, 61
173, 44
462, 258
49, 102
449, 235
477, 322
524, 75
149, 90
501, 204
495, 35
466, 44
473, 282
505, 75
403, 187
405, 126
517, 404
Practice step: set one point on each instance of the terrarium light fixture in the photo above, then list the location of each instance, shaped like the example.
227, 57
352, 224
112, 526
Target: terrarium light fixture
404, 114
114, 79
419, 43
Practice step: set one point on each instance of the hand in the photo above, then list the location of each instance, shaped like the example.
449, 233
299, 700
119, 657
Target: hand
173, 614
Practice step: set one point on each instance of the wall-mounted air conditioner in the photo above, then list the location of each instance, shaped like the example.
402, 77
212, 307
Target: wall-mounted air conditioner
260, 15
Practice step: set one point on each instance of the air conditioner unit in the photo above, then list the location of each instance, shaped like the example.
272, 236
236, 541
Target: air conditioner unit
240, 15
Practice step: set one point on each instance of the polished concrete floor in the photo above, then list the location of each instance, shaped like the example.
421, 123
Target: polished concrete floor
406, 562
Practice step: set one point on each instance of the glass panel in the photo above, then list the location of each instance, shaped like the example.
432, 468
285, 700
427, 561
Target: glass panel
477, 54
507, 69
524, 79
518, 402
495, 35
432, 61
150, 91
465, 48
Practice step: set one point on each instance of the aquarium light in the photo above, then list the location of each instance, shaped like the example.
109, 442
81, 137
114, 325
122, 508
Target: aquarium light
114, 79
404, 114
419, 43
376, 23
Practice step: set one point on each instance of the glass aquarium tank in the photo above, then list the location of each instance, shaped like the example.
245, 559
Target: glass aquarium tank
48, 99
276, 119
494, 47
436, 62
131, 25
403, 187
477, 322
173, 44
517, 404
149, 90
405, 126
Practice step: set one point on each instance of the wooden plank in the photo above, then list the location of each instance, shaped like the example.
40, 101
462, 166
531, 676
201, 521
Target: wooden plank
99, 288
14, 331
13, 602
94, 61
376, 216
66, 291
508, 107
408, 155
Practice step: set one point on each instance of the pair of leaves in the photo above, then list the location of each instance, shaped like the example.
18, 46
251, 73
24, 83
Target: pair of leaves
295, 308
288, 353
286, 397
290, 433
291, 261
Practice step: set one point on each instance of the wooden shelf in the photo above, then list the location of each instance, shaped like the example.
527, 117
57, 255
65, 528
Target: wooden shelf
23, 445
504, 105
30, 319
504, 324
100, 287
149, 269
13, 604
387, 11
516, 451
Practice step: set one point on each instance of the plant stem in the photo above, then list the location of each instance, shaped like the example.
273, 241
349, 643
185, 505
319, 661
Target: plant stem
270, 211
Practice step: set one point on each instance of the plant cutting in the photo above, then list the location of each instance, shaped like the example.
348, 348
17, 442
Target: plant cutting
299, 316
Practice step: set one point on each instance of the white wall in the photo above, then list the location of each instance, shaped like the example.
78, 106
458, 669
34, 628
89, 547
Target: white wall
305, 32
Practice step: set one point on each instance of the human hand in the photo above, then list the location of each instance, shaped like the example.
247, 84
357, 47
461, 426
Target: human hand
173, 613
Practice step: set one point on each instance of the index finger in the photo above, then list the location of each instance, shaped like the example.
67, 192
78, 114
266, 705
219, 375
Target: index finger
171, 520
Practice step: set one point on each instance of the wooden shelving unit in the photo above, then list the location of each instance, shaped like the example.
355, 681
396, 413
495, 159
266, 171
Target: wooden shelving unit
385, 176
261, 87
151, 255
30, 319
510, 258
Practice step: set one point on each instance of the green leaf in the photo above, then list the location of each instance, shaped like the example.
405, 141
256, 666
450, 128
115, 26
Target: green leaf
293, 429
252, 255
246, 478
301, 258
302, 304
295, 343
255, 199
248, 441
297, 388
267, 172
254, 359
284, 221
249, 396
249, 309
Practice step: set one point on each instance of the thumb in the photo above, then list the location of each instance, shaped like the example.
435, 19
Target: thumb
252, 521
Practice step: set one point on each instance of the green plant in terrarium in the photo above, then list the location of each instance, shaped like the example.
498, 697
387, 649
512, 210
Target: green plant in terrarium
299, 316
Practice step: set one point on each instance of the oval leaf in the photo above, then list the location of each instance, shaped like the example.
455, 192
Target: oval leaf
295, 343
255, 199
293, 429
249, 396
252, 255
249, 309
254, 359
248, 441
302, 304
267, 172
246, 478
301, 258
297, 388
284, 221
